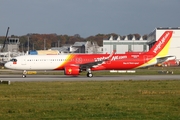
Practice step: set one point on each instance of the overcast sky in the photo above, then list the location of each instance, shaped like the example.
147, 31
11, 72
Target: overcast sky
87, 17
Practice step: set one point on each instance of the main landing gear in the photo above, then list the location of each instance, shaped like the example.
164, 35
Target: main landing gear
24, 73
89, 74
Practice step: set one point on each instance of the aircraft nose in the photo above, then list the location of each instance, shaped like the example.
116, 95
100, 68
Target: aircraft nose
7, 65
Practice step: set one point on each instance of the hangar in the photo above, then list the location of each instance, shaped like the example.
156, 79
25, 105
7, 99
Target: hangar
133, 45
125, 45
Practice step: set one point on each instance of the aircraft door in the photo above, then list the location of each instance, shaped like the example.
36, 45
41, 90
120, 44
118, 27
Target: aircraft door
23, 62
147, 58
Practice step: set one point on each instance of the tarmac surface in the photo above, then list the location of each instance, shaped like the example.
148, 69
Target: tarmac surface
29, 78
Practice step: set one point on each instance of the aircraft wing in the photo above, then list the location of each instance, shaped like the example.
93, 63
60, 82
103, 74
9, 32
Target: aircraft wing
166, 58
91, 64
95, 63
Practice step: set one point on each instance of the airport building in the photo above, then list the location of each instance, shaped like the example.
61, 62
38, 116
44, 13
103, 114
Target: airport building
9, 49
133, 45
125, 45
11, 45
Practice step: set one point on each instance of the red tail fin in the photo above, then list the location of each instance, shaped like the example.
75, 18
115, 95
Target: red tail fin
162, 44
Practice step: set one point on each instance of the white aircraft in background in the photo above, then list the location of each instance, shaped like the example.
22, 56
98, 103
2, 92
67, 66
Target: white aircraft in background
73, 64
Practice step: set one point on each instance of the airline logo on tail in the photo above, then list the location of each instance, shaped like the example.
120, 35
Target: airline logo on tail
161, 47
161, 42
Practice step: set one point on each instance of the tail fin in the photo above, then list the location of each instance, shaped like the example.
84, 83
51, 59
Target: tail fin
161, 47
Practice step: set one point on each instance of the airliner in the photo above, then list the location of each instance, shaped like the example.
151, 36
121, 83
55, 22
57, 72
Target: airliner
73, 64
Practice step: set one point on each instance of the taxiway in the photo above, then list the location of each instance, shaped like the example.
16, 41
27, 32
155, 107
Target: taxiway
16, 78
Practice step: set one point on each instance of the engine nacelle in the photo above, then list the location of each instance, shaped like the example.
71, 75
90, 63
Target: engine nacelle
71, 70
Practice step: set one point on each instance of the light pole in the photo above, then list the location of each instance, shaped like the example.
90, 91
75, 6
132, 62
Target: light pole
28, 44
33, 46
22, 47
44, 44
58, 42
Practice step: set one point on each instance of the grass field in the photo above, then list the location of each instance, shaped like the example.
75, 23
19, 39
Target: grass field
123, 100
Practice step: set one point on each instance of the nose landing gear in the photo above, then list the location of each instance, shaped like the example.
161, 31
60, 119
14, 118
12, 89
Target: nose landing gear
24, 74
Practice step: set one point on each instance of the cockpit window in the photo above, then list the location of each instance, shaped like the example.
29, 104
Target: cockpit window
13, 60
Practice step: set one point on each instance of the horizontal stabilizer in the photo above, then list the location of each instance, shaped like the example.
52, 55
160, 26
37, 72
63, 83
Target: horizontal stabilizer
164, 59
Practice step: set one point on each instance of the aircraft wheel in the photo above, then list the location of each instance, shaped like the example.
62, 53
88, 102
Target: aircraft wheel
89, 75
23, 76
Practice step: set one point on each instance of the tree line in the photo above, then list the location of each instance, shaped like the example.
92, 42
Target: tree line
38, 41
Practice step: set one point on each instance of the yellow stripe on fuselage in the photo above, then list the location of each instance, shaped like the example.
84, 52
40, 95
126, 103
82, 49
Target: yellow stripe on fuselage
67, 59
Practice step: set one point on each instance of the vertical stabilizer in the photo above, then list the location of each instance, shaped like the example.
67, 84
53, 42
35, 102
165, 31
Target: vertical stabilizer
161, 47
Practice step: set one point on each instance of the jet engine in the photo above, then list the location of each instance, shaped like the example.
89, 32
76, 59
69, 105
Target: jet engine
71, 70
